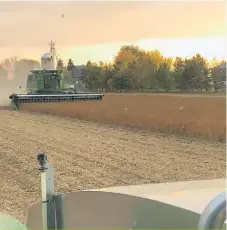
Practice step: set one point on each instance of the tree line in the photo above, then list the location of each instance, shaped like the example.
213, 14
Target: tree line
139, 70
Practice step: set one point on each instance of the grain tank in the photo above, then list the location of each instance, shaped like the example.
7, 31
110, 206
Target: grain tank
46, 61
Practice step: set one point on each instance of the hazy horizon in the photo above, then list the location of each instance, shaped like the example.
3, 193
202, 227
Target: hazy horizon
96, 30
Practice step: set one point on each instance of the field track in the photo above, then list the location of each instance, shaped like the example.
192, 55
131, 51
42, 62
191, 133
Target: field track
90, 155
193, 114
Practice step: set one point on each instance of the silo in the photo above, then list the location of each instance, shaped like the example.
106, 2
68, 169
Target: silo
46, 61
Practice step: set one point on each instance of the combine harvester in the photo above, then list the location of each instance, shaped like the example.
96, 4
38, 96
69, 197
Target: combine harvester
50, 85
179, 205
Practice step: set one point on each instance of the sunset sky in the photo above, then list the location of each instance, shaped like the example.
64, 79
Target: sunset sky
96, 30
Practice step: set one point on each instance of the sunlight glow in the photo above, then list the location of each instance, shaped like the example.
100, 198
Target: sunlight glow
207, 47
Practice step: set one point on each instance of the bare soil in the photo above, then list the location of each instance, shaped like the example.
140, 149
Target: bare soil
89, 155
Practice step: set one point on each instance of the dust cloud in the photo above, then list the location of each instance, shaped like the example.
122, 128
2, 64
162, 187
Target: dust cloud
4, 97
7, 88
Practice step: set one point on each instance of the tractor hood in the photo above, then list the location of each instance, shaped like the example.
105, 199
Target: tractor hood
190, 195
175, 205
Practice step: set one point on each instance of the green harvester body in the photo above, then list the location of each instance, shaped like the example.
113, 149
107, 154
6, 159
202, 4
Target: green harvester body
50, 86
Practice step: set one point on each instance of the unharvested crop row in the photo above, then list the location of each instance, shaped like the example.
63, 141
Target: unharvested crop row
197, 115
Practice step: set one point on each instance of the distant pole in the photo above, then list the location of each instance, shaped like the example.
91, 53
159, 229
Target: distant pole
53, 53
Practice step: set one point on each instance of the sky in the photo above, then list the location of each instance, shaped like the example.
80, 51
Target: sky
96, 30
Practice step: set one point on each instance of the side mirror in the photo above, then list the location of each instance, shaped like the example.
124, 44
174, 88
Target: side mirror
214, 215
8, 222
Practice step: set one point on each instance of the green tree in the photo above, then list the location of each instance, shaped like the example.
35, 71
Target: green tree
124, 65
189, 74
92, 73
164, 76
105, 76
217, 75
202, 79
60, 64
214, 63
178, 68
215, 78
155, 57
70, 65
142, 68
137, 68
69, 73
155, 60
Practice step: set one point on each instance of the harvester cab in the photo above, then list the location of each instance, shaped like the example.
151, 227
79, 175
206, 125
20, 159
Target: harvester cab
110, 210
48, 82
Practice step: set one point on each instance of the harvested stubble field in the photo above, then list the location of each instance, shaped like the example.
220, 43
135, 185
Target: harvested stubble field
196, 115
91, 155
